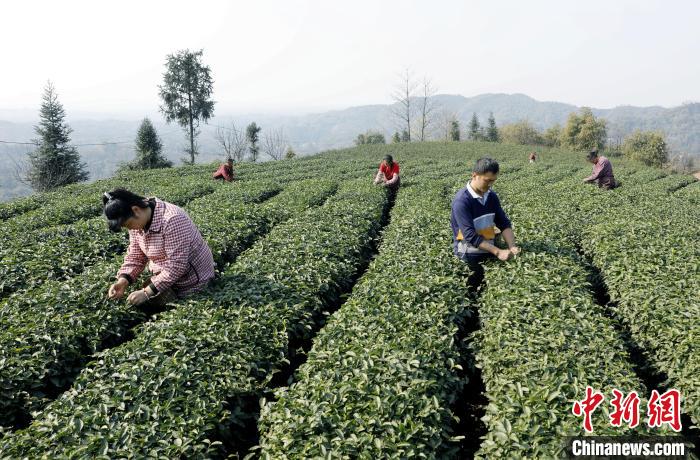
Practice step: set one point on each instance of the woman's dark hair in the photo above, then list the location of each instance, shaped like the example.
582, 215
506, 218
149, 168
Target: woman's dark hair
486, 165
592, 155
117, 206
389, 159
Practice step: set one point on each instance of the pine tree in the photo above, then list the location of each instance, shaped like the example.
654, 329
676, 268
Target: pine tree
252, 132
405, 136
454, 131
474, 128
55, 162
148, 149
492, 130
396, 138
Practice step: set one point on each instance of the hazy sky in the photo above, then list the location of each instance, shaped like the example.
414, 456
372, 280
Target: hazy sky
270, 56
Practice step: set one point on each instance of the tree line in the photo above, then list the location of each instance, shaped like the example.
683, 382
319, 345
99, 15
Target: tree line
585, 132
414, 112
186, 96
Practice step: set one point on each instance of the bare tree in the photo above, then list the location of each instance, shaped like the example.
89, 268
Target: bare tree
233, 141
684, 163
445, 120
274, 144
21, 167
427, 107
402, 108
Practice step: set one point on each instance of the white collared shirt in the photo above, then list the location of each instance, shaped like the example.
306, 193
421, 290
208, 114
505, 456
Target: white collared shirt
482, 199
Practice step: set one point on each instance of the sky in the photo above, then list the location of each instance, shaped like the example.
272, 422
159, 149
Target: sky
300, 56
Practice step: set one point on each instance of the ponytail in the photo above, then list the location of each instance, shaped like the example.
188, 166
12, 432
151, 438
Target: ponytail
117, 206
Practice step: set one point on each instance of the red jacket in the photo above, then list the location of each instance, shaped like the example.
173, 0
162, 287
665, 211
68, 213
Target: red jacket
224, 171
389, 171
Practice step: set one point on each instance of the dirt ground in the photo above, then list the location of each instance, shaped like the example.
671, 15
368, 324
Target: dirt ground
697, 174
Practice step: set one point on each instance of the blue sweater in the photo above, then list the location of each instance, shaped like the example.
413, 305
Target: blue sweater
473, 222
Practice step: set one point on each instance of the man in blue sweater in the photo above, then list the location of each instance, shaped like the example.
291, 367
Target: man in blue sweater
476, 213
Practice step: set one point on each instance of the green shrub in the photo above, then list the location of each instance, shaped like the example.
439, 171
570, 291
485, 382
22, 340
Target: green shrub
646, 147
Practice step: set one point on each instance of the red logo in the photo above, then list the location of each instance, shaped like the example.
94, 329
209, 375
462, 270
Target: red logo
587, 406
661, 409
665, 408
626, 409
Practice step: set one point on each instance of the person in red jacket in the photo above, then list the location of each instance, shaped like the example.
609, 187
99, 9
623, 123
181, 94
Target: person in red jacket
225, 171
388, 174
162, 236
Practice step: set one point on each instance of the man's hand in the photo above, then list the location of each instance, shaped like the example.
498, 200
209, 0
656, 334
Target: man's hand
515, 250
503, 254
116, 291
138, 297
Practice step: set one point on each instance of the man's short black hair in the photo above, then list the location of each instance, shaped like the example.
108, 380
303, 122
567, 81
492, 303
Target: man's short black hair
486, 165
592, 155
117, 206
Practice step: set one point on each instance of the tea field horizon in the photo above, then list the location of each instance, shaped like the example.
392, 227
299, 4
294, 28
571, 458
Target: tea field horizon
340, 324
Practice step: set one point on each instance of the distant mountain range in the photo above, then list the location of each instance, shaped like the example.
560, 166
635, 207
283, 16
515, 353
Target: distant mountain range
335, 129
680, 124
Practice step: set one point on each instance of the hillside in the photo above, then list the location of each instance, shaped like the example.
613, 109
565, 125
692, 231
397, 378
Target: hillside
337, 129
340, 324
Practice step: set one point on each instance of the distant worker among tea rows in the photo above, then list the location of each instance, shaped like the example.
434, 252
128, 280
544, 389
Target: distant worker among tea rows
602, 171
225, 171
388, 173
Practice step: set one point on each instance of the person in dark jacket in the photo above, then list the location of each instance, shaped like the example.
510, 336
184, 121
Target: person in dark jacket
602, 171
476, 216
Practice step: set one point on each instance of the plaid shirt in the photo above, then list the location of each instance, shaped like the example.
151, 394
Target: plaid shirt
602, 172
176, 253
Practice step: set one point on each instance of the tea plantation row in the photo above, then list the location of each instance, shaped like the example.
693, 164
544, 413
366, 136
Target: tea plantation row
50, 331
166, 392
386, 373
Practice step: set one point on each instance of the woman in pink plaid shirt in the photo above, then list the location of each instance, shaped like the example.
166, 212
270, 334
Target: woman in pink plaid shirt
162, 235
